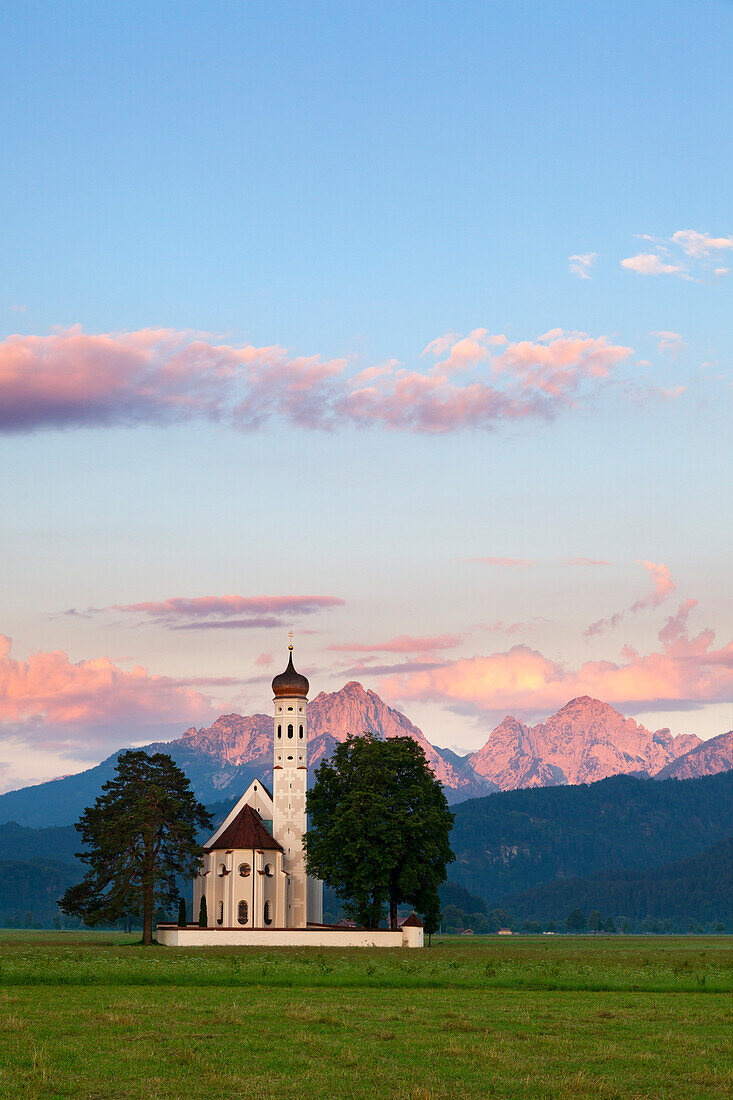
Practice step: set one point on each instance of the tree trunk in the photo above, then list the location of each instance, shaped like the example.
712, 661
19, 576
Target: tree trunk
148, 885
148, 915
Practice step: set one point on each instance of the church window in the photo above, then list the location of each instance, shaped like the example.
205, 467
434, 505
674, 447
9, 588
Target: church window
290, 731
220, 913
301, 732
300, 710
268, 870
290, 708
268, 912
243, 912
279, 731
245, 870
290, 758
222, 870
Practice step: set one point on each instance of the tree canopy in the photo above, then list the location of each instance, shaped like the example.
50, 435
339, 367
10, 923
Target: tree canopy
379, 828
140, 834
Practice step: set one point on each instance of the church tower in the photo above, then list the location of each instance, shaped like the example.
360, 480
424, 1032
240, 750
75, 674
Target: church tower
290, 785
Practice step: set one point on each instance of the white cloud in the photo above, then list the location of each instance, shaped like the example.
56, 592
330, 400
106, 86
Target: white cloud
581, 263
688, 254
671, 342
700, 244
648, 263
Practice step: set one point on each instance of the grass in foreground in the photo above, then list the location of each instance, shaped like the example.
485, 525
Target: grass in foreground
610, 1018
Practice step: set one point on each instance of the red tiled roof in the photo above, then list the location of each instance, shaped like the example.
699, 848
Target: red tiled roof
413, 921
246, 831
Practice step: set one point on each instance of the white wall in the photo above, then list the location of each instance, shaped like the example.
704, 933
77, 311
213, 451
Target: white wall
172, 936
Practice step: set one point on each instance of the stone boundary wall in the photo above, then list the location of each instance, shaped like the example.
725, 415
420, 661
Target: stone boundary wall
173, 936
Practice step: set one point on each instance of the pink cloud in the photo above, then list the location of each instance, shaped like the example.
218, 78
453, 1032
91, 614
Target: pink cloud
663, 587
403, 644
676, 625
648, 263
264, 660
212, 612
500, 627
509, 563
585, 561
48, 687
685, 671
154, 376
158, 376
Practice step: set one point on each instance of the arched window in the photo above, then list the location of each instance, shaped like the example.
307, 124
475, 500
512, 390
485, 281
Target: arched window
220, 913
268, 870
222, 869
290, 731
279, 731
268, 912
301, 732
243, 912
245, 870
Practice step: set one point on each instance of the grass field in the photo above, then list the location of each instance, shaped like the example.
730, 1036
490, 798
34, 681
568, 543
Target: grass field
96, 1017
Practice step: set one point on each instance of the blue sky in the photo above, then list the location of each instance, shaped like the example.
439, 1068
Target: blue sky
352, 182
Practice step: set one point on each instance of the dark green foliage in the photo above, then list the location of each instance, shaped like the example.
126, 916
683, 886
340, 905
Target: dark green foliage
58, 843
378, 828
575, 921
182, 913
594, 921
697, 890
510, 842
34, 886
453, 894
139, 835
203, 915
609, 925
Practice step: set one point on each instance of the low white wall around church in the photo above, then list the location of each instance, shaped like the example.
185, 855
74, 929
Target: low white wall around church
172, 936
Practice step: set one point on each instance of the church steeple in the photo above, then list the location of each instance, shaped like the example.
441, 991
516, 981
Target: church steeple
290, 784
290, 682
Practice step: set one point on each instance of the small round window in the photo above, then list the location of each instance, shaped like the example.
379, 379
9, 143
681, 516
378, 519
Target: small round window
245, 870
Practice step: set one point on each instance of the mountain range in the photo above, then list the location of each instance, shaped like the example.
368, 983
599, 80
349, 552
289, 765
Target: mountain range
585, 741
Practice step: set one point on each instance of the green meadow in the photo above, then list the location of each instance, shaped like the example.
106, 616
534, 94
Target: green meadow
94, 1016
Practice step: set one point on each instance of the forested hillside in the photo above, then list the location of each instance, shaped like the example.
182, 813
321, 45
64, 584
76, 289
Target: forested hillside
697, 890
510, 842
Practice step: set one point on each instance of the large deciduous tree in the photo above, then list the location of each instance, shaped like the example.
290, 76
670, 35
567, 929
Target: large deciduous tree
139, 835
379, 828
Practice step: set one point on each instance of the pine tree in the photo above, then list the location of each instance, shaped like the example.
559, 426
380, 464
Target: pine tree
140, 834
203, 915
182, 913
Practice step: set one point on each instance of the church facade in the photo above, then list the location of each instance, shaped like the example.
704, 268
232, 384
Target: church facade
253, 875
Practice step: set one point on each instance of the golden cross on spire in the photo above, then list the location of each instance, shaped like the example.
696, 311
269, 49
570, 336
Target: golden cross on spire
290, 635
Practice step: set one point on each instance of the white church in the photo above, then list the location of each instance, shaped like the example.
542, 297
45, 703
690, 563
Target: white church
253, 875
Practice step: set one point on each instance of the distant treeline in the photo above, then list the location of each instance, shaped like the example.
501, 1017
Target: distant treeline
643, 851
506, 844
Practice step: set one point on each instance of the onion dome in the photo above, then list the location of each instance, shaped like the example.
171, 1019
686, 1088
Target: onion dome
290, 682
